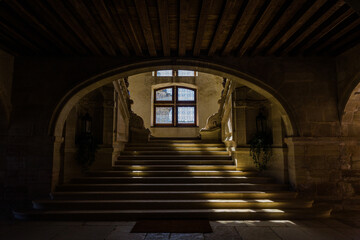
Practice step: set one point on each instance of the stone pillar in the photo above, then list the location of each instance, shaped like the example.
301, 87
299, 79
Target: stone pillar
105, 150
278, 165
71, 166
58, 159
244, 116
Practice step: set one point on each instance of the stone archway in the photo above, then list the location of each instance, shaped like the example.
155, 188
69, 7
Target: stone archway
350, 113
73, 96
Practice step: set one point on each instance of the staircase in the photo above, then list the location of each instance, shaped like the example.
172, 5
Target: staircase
173, 179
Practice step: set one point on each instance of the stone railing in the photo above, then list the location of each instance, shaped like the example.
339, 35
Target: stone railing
212, 129
137, 130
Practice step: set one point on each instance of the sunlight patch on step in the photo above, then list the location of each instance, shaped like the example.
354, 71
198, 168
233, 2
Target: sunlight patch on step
240, 201
273, 210
248, 210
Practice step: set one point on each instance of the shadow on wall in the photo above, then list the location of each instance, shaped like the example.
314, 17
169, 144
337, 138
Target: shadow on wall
4, 118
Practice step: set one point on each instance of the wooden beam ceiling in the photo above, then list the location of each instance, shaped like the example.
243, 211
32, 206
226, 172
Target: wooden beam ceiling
156, 28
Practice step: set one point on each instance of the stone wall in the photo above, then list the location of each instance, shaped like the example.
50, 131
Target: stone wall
208, 93
306, 87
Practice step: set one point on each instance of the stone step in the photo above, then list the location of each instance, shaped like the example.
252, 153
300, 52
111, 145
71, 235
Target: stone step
178, 140
174, 167
169, 204
172, 152
172, 187
174, 162
174, 157
211, 214
352, 204
176, 195
175, 148
202, 179
166, 144
139, 173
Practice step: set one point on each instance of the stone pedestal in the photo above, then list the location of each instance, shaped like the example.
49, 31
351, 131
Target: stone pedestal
211, 134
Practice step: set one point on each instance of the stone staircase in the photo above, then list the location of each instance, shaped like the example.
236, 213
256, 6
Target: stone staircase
173, 179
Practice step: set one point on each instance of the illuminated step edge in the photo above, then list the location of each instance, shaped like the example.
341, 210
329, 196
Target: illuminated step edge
211, 214
170, 204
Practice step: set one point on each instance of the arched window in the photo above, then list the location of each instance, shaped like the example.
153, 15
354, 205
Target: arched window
175, 106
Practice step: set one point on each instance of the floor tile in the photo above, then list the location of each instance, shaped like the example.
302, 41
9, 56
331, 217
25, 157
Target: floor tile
187, 236
85, 233
125, 236
157, 236
256, 233
223, 232
290, 233
324, 234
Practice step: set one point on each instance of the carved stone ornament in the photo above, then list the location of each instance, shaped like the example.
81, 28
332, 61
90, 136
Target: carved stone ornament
214, 121
136, 121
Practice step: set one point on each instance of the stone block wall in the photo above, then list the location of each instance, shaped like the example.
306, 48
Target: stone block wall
306, 87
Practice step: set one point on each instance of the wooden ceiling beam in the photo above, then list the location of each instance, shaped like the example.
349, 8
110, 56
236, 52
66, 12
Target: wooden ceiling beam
230, 5
310, 42
143, 15
96, 32
260, 26
184, 12
341, 45
43, 30
66, 34
302, 20
251, 10
337, 36
311, 27
16, 35
8, 45
289, 12
75, 26
354, 4
123, 14
203, 17
164, 25
111, 28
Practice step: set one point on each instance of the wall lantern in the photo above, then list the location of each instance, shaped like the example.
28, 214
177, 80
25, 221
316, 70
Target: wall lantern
261, 122
86, 123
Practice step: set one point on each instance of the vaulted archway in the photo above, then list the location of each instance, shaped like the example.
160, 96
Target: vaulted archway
72, 97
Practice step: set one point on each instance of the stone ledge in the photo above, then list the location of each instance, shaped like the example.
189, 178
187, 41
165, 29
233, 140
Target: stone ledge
321, 140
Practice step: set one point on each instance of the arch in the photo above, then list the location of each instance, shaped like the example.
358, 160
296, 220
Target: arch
74, 95
350, 101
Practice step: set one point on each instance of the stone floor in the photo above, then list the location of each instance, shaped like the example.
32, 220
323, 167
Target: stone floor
345, 226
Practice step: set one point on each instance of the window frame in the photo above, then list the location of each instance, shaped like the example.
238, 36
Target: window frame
175, 103
172, 97
175, 73
164, 124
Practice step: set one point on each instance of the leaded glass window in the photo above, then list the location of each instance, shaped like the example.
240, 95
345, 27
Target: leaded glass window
164, 73
165, 94
164, 115
186, 73
175, 106
185, 94
186, 115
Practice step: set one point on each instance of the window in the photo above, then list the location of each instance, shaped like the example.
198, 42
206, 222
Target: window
175, 107
164, 73
171, 73
186, 73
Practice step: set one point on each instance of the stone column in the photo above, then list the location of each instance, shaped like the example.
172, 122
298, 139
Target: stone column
105, 150
58, 158
244, 116
71, 167
278, 165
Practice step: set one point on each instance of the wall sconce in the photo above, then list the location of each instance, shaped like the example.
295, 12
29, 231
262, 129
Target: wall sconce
86, 123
